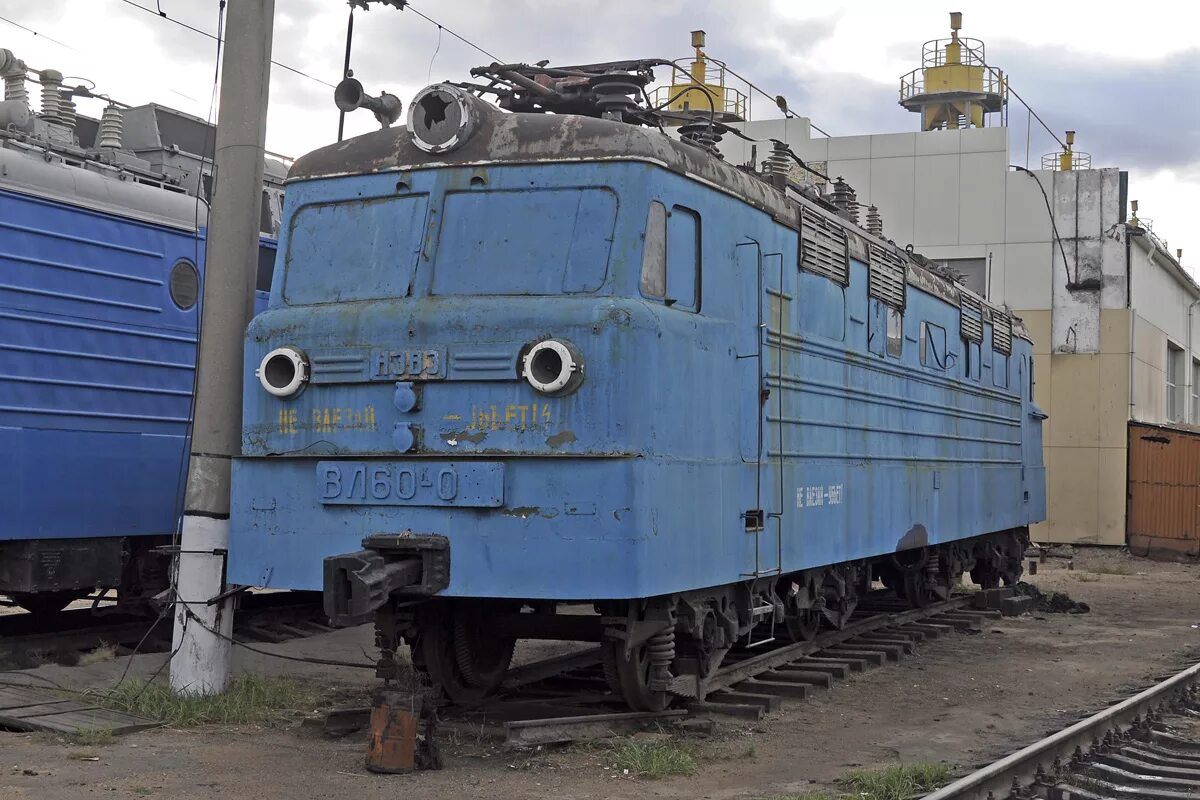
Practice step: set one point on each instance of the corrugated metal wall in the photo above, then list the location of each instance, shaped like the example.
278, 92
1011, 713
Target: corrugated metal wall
1164, 492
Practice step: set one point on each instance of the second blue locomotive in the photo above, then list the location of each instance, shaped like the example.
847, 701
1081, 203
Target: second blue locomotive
519, 359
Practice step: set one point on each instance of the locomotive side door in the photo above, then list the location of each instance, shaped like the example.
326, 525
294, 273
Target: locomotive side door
760, 360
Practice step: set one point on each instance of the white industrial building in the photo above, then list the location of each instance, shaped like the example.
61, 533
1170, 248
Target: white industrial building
1111, 310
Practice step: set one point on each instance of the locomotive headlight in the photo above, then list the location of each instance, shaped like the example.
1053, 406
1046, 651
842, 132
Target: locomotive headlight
552, 367
441, 117
283, 371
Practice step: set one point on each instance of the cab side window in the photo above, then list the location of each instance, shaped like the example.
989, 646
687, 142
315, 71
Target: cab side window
933, 346
671, 256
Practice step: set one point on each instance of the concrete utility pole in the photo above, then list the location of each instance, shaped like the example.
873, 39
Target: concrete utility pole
202, 657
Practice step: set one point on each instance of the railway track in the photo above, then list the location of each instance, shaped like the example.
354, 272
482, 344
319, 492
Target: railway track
28, 640
566, 698
1147, 746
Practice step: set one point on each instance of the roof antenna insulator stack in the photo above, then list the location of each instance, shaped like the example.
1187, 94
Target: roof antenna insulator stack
778, 164
51, 94
112, 126
702, 135
66, 108
614, 95
874, 221
13, 70
846, 200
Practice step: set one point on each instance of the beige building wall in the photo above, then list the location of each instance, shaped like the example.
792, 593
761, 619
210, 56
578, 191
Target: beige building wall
1087, 398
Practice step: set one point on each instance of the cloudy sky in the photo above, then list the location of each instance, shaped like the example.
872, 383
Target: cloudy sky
1126, 78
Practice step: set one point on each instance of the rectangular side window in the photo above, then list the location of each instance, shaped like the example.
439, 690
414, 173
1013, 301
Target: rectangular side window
999, 369
933, 345
266, 267
895, 332
973, 362
1174, 382
1195, 391
654, 252
683, 258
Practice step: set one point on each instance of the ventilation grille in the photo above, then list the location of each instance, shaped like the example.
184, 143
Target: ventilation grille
1001, 333
824, 247
887, 277
972, 318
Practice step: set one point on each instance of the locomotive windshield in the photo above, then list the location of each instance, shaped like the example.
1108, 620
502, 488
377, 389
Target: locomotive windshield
354, 250
524, 242
529, 241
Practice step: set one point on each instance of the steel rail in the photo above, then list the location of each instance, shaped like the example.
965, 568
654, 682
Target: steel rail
1021, 768
735, 673
266, 617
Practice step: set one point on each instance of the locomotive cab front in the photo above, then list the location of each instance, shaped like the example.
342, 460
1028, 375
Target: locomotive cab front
516, 360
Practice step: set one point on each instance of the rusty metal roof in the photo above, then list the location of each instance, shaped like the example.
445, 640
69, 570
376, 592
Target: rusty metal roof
522, 138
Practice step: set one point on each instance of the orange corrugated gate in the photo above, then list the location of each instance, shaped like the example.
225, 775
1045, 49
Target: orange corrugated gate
1164, 492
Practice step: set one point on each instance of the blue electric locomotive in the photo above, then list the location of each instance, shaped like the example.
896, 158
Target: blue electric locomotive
100, 269
516, 359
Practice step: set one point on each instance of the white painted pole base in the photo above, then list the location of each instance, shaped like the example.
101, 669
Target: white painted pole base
202, 660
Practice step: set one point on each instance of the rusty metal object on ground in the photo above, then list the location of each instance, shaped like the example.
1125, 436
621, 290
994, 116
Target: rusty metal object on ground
402, 733
392, 747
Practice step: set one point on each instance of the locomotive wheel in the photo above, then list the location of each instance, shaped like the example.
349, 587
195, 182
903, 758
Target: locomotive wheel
985, 574
632, 673
459, 654
47, 602
803, 625
839, 611
917, 590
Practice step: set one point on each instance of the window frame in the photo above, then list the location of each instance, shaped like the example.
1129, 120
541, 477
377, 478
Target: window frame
654, 253
1195, 391
654, 280
1174, 381
926, 347
891, 314
674, 302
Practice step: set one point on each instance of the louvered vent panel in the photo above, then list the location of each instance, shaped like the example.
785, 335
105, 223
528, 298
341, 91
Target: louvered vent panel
1001, 332
887, 277
972, 318
824, 247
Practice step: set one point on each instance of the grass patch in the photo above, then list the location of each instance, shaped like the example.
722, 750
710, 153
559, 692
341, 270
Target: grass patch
84, 737
898, 782
658, 759
250, 698
105, 652
90, 737
1111, 569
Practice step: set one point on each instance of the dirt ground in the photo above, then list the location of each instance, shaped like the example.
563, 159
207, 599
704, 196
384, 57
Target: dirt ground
962, 699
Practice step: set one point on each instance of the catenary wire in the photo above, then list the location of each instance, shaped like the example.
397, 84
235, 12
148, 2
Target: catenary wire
1053, 224
1021, 100
433, 21
181, 23
755, 87
36, 33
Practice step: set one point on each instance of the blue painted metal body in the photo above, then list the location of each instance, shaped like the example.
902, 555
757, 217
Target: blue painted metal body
414, 299
96, 369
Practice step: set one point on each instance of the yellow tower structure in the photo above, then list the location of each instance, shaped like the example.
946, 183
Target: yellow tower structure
706, 92
1069, 158
954, 87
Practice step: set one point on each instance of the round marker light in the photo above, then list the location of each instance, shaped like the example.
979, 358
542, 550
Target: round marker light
283, 371
441, 117
552, 367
